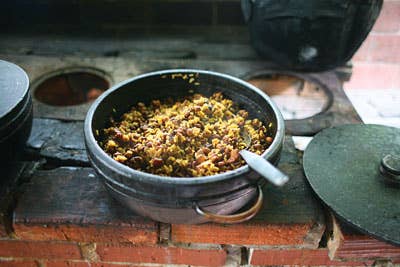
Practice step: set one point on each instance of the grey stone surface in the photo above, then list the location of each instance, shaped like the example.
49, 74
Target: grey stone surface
377, 106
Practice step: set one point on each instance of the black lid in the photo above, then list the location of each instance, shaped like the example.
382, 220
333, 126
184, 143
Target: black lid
14, 92
354, 170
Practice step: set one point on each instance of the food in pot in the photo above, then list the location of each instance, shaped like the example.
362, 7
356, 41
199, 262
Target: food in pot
195, 136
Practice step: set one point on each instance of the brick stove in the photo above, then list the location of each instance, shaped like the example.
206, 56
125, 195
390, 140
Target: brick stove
55, 212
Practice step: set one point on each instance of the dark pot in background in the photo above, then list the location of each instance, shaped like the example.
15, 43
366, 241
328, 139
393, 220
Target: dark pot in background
172, 199
309, 35
15, 110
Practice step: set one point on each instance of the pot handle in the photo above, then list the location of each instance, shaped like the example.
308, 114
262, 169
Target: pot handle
235, 218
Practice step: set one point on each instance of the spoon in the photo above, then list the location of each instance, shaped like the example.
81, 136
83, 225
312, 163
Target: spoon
261, 165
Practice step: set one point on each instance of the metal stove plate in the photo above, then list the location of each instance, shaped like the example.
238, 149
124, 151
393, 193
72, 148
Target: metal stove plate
342, 166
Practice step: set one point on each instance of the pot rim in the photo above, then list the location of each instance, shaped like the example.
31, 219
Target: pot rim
100, 154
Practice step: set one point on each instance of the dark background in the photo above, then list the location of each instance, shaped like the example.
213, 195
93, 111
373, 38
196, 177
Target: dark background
116, 16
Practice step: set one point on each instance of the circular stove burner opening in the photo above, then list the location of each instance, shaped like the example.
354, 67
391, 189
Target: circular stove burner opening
295, 97
70, 87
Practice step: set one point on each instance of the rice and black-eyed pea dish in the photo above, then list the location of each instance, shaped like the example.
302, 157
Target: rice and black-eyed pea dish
191, 137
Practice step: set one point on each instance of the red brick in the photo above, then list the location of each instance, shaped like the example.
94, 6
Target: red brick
379, 48
363, 53
162, 255
388, 20
45, 250
68, 264
346, 243
243, 234
18, 263
385, 48
298, 257
87, 233
359, 247
374, 76
108, 264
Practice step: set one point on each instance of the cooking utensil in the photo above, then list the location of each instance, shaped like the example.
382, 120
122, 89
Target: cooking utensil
292, 33
177, 199
348, 167
260, 165
15, 110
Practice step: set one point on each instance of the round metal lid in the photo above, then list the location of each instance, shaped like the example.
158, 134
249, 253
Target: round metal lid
14, 86
349, 167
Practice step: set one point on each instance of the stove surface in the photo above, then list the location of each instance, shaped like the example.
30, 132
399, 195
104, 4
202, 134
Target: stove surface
68, 197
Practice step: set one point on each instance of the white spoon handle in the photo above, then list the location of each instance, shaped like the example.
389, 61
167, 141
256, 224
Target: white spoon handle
264, 168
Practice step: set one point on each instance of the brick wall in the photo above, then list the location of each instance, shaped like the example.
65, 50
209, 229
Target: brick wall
377, 62
65, 217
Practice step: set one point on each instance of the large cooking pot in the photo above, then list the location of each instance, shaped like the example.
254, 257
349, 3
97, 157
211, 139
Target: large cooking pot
309, 35
173, 199
16, 112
